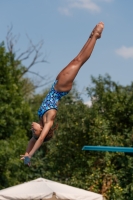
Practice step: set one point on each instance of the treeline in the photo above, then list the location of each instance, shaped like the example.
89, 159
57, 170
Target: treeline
109, 121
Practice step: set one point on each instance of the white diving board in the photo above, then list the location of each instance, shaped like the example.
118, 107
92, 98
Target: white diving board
108, 148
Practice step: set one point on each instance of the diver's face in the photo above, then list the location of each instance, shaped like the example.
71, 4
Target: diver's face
36, 128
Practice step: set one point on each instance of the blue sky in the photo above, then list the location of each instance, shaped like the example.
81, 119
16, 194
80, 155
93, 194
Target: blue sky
65, 25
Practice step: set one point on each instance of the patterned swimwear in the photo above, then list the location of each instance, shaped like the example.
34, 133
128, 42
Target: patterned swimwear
51, 100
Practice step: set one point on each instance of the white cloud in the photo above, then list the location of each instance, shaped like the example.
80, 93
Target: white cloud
88, 5
85, 4
125, 52
79, 4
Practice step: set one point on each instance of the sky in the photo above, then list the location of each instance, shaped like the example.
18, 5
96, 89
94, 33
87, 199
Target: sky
64, 26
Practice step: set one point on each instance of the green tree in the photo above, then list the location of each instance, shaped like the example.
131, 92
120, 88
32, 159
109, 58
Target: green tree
16, 95
107, 122
114, 105
13, 107
15, 118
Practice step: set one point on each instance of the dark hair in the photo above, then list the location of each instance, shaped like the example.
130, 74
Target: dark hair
50, 134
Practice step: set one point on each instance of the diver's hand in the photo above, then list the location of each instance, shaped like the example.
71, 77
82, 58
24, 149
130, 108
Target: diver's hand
26, 159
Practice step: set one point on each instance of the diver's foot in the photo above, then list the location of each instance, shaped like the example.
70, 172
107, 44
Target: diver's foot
98, 30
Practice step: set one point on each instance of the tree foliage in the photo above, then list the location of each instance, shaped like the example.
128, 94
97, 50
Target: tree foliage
13, 107
107, 122
15, 118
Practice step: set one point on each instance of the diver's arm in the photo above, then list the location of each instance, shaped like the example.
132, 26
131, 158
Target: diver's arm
30, 145
41, 138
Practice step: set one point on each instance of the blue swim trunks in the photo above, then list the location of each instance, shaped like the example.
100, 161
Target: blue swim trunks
51, 100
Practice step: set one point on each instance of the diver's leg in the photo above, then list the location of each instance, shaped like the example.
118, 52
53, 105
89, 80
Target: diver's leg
68, 74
